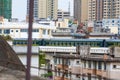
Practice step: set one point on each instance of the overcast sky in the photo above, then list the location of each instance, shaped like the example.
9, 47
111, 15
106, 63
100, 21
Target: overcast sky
19, 7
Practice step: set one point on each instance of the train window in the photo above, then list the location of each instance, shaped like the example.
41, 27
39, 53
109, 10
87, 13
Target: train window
88, 43
118, 44
54, 44
71, 43
61, 43
25, 42
64, 44
95, 44
0, 31
92, 44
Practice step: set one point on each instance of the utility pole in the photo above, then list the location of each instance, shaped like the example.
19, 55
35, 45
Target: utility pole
29, 45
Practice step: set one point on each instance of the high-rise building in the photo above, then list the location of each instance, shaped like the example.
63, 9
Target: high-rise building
6, 8
44, 9
81, 10
35, 15
96, 10
103, 9
63, 14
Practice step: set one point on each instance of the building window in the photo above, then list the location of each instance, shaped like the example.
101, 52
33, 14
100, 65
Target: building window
77, 76
104, 66
58, 24
89, 64
58, 60
35, 30
68, 62
84, 64
58, 72
11, 30
114, 66
24, 30
16, 30
55, 60
99, 65
48, 31
7, 31
44, 31
66, 73
77, 62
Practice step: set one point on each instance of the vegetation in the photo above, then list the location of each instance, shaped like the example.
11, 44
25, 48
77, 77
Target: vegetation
7, 37
49, 74
41, 59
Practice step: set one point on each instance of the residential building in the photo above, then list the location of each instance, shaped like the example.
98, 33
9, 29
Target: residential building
35, 10
62, 23
6, 8
81, 10
67, 33
20, 29
101, 35
85, 63
101, 64
95, 9
65, 66
63, 14
44, 9
103, 9
113, 25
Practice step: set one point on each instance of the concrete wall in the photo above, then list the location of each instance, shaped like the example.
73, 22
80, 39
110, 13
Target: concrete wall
34, 62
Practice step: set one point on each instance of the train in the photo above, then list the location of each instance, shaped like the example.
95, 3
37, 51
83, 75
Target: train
69, 42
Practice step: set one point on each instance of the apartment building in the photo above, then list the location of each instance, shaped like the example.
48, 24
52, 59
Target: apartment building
101, 66
95, 9
112, 25
35, 15
63, 14
44, 9
81, 10
67, 67
87, 63
6, 8
103, 9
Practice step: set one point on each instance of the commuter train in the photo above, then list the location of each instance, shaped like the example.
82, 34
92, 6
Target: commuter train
70, 42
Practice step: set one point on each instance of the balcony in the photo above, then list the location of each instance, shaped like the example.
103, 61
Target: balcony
95, 72
101, 73
63, 67
88, 71
60, 78
76, 70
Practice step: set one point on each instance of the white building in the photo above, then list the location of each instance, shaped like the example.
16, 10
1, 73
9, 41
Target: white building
112, 24
63, 14
20, 29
